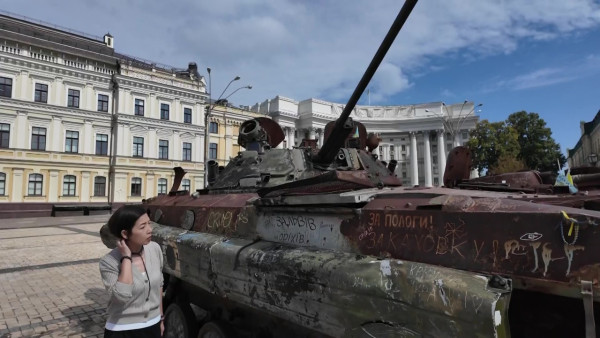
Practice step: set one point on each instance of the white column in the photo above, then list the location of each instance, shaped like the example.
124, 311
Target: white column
427, 159
198, 153
59, 93
386, 152
321, 137
54, 186
311, 133
23, 93
414, 176
122, 143
18, 182
89, 99
151, 144
228, 140
56, 135
84, 196
177, 147
397, 150
22, 128
441, 156
87, 138
292, 138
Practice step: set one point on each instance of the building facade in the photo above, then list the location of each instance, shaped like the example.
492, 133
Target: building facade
80, 122
418, 136
586, 151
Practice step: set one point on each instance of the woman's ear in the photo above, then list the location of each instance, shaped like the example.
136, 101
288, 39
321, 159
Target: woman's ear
124, 234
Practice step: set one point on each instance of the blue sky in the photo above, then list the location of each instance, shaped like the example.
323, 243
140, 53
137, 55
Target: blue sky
540, 56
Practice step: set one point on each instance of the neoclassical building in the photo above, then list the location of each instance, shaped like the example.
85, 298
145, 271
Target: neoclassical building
80, 122
587, 150
418, 136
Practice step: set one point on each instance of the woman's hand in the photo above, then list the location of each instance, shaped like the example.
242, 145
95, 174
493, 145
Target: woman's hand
123, 248
162, 328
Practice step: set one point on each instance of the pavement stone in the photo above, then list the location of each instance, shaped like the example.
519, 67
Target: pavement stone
49, 280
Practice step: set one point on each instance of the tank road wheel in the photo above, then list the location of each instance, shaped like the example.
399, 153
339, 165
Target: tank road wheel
180, 321
214, 330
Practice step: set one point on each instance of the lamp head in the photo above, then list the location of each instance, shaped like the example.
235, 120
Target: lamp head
249, 87
236, 78
208, 70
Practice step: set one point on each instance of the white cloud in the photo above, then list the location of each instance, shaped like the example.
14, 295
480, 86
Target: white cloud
318, 48
586, 66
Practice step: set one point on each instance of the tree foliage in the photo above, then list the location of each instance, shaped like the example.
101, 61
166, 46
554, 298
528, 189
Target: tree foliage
490, 141
539, 151
521, 142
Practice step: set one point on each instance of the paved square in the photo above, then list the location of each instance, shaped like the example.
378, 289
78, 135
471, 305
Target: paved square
50, 284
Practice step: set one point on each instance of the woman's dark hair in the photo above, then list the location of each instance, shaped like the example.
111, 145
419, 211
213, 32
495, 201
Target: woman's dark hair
124, 219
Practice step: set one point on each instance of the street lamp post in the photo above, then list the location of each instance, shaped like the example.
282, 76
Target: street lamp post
453, 123
207, 116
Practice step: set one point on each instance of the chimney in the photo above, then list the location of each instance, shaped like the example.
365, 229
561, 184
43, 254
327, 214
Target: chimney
109, 40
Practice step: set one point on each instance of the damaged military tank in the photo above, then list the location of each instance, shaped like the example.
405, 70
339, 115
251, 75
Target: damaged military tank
304, 243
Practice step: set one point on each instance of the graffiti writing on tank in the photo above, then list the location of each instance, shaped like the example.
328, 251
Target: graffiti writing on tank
294, 238
221, 220
295, 221
242, 217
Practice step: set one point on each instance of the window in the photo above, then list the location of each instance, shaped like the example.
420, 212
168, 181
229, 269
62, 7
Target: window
69, 185
164, 111
72, 142
41, 93
187, 151
101, 144
73, 98
214, 128
163, 149
4, 135
392, 151
404, 147
100, 186
139, 107
404, 174
5, 87
138, 147
35, 185
185, 184
38, 138
3, 184
136, 186
465, 135
212, 151
187, 115
434, 159
162, 186
102, 102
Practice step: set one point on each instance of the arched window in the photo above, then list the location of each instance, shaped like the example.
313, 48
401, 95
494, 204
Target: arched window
36, 182
2, 184
100, 186
162, 186
69, 185
136, 186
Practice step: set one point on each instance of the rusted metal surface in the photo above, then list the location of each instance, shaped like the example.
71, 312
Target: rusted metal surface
336, 293
458, 166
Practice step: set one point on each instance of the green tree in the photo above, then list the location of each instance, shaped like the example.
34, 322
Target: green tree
491, 141
538, 149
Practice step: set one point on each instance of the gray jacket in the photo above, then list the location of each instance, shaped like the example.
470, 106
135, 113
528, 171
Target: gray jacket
128, 304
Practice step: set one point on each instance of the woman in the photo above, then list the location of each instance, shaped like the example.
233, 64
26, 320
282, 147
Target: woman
132, 275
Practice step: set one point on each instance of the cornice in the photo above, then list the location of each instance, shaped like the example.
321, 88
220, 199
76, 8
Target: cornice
53, 110
136, 84
32, 64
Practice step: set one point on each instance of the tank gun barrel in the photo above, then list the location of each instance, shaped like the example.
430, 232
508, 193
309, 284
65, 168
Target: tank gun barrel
343, 126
